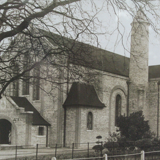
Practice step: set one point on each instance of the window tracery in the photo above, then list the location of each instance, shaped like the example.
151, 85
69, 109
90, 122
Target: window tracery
25, 87
36, 84
118, 108
90, 121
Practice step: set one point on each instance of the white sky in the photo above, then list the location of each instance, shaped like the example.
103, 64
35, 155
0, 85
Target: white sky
109, 42
112, 42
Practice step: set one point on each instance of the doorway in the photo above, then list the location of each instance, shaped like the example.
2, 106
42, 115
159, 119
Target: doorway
5, 131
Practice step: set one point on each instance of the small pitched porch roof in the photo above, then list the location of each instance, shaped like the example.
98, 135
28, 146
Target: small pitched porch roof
37, 118
82, 94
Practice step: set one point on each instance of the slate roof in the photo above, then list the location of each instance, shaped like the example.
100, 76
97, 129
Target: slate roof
90, 56
96, 58
37, 118
82, 94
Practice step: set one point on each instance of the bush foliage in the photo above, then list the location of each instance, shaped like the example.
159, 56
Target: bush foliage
134, 127
132, 135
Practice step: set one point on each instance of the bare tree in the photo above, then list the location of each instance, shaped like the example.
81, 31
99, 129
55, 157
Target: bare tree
35, 32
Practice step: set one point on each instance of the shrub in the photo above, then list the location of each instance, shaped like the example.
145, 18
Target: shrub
134, 127
143, 144
111, 145
98, 147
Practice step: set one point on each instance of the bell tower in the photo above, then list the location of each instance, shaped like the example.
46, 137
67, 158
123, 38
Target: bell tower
138, 69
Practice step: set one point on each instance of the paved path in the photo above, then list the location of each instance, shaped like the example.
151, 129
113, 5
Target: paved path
6, 154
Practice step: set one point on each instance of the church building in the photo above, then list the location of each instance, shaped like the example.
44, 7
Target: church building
121, 86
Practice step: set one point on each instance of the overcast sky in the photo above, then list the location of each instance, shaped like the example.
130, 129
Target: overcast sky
112, 41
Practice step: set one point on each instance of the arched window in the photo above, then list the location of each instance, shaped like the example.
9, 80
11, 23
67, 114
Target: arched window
90, 121
25, 89
15, 84
118, 108
36, 83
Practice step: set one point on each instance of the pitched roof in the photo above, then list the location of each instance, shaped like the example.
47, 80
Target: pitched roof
82, 94
96, 58
90, 56
37, 118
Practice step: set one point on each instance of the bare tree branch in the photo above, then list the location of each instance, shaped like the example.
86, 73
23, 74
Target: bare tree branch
28, 19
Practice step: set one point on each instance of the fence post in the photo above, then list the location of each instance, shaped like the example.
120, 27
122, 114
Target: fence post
55, 151
16, 153
142, 155
72, 149
106, 157
37, 152
88, 149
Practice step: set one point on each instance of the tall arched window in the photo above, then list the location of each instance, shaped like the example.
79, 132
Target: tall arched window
15, 84
36, 83
90, 121
25, 89
118, 108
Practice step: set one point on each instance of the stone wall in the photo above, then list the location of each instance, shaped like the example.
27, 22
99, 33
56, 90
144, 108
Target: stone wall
38, 139
114, 85
152, 109
50, 107
70, 125
103, 119
100, 125
53, 113
17, 117
22, 131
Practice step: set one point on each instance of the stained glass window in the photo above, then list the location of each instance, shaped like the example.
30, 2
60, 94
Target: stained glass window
90, 121
118, 108
25, 89
36, 84
15, 83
